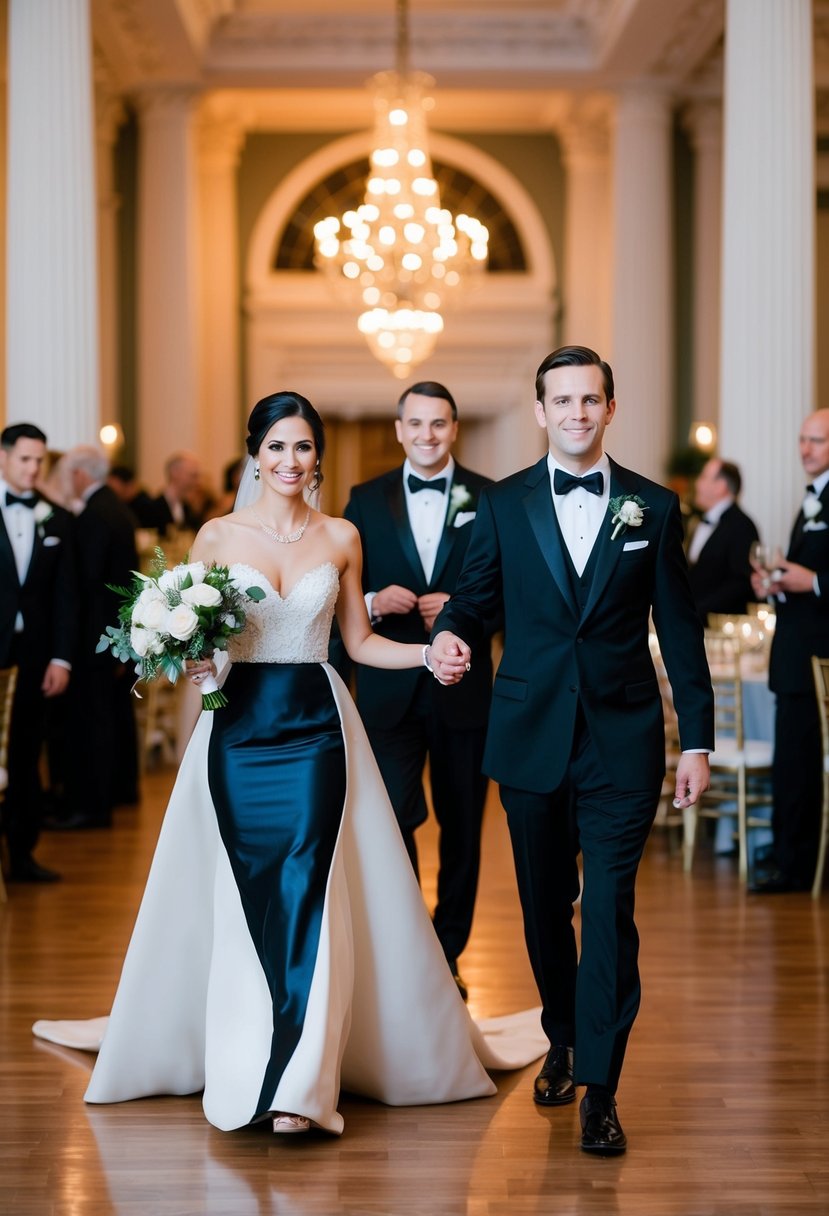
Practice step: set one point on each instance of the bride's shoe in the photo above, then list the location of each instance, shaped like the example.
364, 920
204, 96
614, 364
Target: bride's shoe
290, 1124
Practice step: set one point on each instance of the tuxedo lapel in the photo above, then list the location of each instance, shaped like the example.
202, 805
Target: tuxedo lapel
608, 551
396, 499
538, 504
6, 551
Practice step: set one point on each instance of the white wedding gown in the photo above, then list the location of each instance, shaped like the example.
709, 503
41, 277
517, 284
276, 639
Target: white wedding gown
193, 1010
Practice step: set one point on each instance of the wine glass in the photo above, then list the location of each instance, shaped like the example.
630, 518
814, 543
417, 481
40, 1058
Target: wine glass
766, 560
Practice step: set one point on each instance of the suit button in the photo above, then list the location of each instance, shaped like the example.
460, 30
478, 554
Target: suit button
573, 688
579, 640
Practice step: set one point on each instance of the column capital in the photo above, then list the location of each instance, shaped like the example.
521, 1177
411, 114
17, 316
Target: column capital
642, 105
220, 141
160, 103
584, 133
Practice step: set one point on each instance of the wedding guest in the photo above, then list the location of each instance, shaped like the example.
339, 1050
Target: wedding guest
719, 569
171, 510
122, 480
38, 618
99, 699
414, 524
581, 551
801, 587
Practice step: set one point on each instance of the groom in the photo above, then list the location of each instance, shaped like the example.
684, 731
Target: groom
581, 551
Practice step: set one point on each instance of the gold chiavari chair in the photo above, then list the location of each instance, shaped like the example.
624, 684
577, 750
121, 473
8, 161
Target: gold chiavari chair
820, 670
740, 767
8, 682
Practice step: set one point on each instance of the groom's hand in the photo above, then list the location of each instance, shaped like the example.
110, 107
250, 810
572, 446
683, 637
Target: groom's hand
429, 606
393, 600
693, 776
449, 657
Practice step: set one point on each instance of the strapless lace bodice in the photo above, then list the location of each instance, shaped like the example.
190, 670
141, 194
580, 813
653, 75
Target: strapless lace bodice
290, 629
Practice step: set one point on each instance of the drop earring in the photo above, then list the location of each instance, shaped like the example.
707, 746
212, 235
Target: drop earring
256, 472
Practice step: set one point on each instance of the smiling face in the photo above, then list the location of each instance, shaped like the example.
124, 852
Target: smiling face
20, 465
575, 413
287, 456
427, 431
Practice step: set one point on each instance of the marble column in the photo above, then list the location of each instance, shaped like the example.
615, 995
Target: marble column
168, 314
220, 143
768, 279
110, 114
51, 282
703, 121
585, 143
642, 355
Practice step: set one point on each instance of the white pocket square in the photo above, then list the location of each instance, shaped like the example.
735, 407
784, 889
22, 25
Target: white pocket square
815, 525
635, 544
48, 541
462, 517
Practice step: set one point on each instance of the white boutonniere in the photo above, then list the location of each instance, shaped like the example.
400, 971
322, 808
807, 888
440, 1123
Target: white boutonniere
627, 511
812, 507
42, 512
459, 499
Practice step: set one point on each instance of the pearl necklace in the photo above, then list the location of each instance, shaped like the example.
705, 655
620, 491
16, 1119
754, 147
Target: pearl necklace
291, 538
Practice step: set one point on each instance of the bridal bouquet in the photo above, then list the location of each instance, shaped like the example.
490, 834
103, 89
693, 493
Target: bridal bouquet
173, 615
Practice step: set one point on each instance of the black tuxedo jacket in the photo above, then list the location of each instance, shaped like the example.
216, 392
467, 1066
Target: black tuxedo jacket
556, 656
721, 575
803, 620
156, 513
106, 555
377, 509
46, 597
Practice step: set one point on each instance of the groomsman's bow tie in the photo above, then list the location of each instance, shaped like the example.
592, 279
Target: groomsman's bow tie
563, 482
417, 483
810, 489
11, 499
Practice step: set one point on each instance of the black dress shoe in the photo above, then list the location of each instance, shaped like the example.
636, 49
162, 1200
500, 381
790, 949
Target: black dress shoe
775, 882
601, 1131
554, 1084
26, 869
456, 976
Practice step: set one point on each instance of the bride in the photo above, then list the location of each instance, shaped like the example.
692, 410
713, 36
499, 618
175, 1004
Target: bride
282, 948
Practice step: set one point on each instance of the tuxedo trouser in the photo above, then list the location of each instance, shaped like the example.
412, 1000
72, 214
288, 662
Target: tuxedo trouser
797, 785
588, 1002
23, 809
458, 790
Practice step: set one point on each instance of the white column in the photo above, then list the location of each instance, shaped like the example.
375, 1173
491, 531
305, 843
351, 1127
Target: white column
168, 317
585, 143
767, 379
51, 285
703, 121
220, 143
642, 357
109, 113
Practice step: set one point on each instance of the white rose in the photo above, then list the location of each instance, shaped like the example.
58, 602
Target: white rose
154, 615
812, 506
42, 511
196, 570
142, 640
631, 514
201, 595
148, 596
182, 622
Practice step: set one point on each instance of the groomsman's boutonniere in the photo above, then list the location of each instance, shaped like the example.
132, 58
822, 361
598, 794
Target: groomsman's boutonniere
628, 511
459, 499
43, 512
812, 507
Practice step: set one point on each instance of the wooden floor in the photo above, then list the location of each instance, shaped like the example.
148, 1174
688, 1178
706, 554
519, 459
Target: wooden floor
725, 1094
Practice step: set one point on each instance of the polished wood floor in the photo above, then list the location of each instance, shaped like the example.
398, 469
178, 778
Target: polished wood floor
725, 1094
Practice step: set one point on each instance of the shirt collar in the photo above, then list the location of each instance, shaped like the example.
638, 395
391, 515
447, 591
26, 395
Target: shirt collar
715, 514
602, 466
820, 482
448, 471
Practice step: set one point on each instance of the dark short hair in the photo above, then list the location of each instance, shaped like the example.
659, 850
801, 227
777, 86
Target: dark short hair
122, 473
281, 405
574, 356
732, 477
428, 388
20, 430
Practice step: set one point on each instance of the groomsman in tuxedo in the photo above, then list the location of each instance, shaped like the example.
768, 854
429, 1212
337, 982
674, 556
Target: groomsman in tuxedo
801, 586
414, 524
102, 760
719, 569
580, 551
171, 510
38, 617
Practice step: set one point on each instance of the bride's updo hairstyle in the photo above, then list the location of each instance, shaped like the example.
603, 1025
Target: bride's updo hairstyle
273, 409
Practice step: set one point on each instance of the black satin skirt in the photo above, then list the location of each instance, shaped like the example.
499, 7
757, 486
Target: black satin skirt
276, 769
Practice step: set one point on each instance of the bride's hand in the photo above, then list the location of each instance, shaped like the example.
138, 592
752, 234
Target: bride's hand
197, 669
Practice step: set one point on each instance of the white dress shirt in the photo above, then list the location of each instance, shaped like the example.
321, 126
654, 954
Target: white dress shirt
703, 530
20, 526
580, 514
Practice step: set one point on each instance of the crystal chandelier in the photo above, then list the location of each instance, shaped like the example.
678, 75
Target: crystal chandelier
400, 256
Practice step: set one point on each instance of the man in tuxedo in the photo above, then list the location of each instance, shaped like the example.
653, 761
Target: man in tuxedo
414, 524
801, 585
172, 510
102, 753
719, 569
580, 551
38, 617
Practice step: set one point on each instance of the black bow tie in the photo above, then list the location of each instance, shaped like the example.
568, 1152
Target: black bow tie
563, 482
29, 502
417, 483
810, 489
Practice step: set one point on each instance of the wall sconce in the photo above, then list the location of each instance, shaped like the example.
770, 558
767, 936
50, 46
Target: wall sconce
111, 437
704, 436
